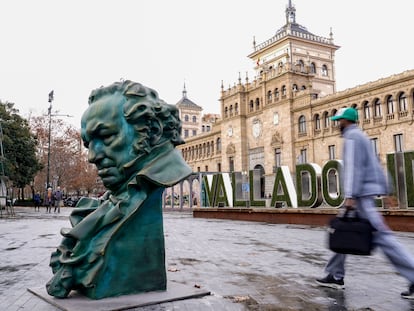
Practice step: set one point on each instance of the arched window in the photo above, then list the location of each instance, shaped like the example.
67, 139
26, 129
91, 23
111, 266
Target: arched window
301, 65
402, 102
226, 112
218, 144
284, 90
324, 70
280, 67
312, 68
194, 119
294, 87
231, 110
186, 118
377, 108
276, 93
212, 147
326, 120
208, 148
303, 87
269, 96
302, 124
251, 106
257, 103
236, 109
333, 113
390, 105
317, 122
367, 113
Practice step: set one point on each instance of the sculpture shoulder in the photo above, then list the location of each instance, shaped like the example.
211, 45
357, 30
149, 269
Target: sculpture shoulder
160, 170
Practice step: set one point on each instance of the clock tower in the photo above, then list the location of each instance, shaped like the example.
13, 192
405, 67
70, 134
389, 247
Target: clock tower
292, 68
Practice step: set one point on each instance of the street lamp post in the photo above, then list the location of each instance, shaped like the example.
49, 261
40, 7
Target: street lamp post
50, 130
48, 144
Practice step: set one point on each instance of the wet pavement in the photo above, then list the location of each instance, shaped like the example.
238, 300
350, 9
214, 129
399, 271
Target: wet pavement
245, 265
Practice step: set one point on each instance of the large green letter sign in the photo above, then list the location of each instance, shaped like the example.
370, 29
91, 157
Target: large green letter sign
283, 189
308, 176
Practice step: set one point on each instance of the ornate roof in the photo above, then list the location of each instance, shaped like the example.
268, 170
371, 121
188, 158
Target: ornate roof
291, 28
184, 102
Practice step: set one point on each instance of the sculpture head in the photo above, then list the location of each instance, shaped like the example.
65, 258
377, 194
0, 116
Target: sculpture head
123, 124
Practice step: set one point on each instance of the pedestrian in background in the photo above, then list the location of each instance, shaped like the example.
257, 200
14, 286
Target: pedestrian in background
58, 196
49, 200
362, 179
37, 200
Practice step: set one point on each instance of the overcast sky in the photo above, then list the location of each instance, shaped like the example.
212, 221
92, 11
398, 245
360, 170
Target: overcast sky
73, 47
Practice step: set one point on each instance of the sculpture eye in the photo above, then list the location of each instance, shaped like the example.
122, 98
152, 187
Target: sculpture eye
107, 138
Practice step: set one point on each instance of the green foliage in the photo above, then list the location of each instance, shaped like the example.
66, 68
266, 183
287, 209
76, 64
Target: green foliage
391, 171
19, 147
280, 189
408, 159
336, 199
253, 201
315, 199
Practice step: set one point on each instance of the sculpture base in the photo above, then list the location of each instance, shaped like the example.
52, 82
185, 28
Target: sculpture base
76, 302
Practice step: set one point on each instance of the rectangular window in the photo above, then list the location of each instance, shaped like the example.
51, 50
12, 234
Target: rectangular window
198, 169
194, 132
303, 158
332, 153
278, 157
206, 168
398, 142
185, 133
231, 164
219, 167
374, 144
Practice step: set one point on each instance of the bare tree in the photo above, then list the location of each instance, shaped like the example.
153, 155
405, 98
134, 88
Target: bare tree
68, 165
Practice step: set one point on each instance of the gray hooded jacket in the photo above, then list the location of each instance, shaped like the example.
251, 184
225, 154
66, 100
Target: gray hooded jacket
362, 173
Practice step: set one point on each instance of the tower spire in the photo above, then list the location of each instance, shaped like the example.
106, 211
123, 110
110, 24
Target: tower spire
290, 13
184, 91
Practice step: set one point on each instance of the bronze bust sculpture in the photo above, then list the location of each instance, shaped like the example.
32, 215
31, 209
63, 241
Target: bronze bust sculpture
116, 243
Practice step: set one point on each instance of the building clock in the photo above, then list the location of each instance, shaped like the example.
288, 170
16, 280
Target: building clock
256, 128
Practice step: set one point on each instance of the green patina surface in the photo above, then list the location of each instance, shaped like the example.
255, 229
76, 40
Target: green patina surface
116, 243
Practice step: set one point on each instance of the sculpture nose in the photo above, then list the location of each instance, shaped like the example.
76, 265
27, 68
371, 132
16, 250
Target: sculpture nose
95, 152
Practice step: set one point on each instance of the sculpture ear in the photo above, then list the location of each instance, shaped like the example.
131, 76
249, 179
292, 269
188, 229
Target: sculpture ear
156, 132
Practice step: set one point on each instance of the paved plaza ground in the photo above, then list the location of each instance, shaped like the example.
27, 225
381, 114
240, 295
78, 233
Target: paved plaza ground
245, 265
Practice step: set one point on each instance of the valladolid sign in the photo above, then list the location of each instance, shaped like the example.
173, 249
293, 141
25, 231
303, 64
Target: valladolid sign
313, 185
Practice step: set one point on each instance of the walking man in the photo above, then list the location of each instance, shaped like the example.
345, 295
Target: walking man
58, 196
363, 179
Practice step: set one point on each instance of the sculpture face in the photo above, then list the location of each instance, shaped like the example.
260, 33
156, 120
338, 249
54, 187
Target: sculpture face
109, 139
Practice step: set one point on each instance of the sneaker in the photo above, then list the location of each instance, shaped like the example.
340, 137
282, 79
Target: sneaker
330, 281
409, 294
